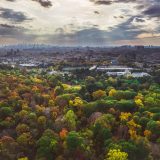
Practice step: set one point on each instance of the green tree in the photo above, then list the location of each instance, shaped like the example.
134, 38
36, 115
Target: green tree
47, 145
74, 140
5, 111
126, 105
70, 118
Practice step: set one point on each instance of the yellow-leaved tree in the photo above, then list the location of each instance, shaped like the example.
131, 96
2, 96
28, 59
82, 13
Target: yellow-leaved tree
112, 92
98, 94
116, 154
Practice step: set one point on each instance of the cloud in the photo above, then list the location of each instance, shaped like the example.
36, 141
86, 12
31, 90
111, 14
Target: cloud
118, 17
101, 2
96, 12
125, 31
137, 19
109, 2
94, 36
153, 11
44, 3
59, 30
6, 25
12, 15
11, 0
102, 22
148, 35
14, 34
91, 36
11, 30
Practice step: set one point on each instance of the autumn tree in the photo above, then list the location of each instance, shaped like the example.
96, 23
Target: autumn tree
98, 94
70, 118
116, 154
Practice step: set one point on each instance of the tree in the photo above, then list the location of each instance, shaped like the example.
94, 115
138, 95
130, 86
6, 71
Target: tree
116, 154
142, 149
90, 79
77, 102
124, 116
90, 84
23, 114
63, 133
25, 140
74, 140
125, 94
106, 120
154, 127
98, 94
58, 90
63, 100
126, 105
8, 148
54, 81
47, 145
70, 118
101, 134
23, 158
22, 128
6, 111
130, 148
112, 92
139, 103
42, 121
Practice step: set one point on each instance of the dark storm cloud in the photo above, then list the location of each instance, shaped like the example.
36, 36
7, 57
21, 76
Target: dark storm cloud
12, 15
44, 3
153, 11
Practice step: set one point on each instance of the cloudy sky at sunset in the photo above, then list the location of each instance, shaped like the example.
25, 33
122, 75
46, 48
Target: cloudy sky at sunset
80, 22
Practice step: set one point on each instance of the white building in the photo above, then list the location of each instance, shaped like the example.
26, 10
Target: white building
140, 74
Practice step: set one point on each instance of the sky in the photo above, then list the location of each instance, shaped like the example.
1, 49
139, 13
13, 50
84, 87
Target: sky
80, 22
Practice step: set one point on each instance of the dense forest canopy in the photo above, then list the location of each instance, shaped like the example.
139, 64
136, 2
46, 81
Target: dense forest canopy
47, 117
